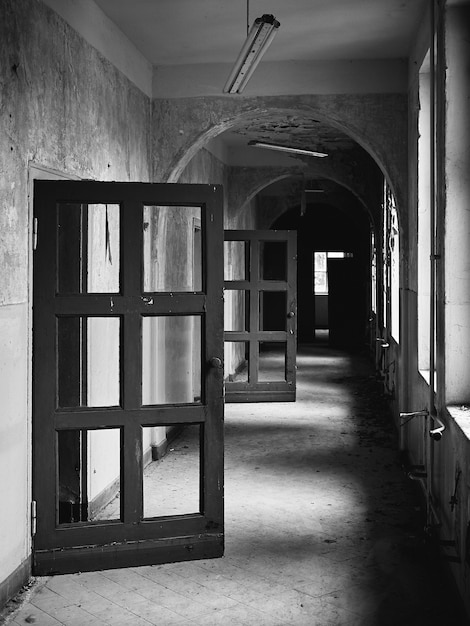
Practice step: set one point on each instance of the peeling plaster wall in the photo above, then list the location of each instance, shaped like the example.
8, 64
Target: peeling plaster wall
64, 107
86, 17
205, 168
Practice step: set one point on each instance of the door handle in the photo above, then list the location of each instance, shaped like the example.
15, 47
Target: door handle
216, 362
291, 314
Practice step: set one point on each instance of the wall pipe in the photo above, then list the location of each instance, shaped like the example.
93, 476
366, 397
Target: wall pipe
436, 435
432, 211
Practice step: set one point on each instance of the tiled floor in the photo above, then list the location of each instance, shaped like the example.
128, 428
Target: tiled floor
322, 527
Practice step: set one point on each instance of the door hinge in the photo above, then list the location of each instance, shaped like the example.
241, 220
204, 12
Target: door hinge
35, 233
33, 518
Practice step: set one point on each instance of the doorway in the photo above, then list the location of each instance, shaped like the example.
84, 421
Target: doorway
333, 271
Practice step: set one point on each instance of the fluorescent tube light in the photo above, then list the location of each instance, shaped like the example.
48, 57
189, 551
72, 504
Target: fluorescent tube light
272, 146
258, 41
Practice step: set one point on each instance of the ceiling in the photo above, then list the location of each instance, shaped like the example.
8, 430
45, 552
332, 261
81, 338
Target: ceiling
179, 32
172, 33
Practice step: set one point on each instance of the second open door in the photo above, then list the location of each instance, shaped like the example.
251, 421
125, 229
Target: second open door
260, 313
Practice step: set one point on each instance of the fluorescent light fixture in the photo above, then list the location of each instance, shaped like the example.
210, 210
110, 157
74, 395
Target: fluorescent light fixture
314, 190
272, 146
257, 42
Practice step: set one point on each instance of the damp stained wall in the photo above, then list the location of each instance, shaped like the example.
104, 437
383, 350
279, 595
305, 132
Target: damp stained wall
67, 110
64, 107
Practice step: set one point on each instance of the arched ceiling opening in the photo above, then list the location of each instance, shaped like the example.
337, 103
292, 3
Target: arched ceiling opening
263, 172
288, 197
350, 130
374, 122
291, 129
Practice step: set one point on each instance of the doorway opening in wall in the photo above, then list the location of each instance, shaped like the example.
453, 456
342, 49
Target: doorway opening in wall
321, 264
333, 268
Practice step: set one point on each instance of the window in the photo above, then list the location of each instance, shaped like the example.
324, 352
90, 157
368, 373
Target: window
424, 215
394, 243
391, 264
373, 256
320, 273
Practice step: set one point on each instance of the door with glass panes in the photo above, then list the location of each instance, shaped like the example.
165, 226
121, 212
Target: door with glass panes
128, 377
260, 307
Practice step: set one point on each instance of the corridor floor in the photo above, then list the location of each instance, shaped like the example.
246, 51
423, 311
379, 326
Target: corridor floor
322, 527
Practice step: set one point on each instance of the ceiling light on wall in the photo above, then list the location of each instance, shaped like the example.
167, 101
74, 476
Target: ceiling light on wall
272, 146
257, 42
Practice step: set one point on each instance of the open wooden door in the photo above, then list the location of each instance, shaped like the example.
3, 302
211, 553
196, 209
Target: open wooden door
128, 382
260, 315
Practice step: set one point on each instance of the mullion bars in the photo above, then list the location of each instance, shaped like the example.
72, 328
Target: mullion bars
255, 270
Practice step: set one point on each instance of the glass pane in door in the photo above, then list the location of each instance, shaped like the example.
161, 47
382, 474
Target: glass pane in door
172, 466
236, 359
272, 361
88, 248
273, 260
236, 260
171, 359
88, 361
272, 310
236, 310
172, 249
89, 475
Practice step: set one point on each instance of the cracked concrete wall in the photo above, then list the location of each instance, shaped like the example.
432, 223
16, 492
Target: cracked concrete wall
63, 106
205, 168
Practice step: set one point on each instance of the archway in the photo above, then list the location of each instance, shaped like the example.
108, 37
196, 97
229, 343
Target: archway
375, 123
